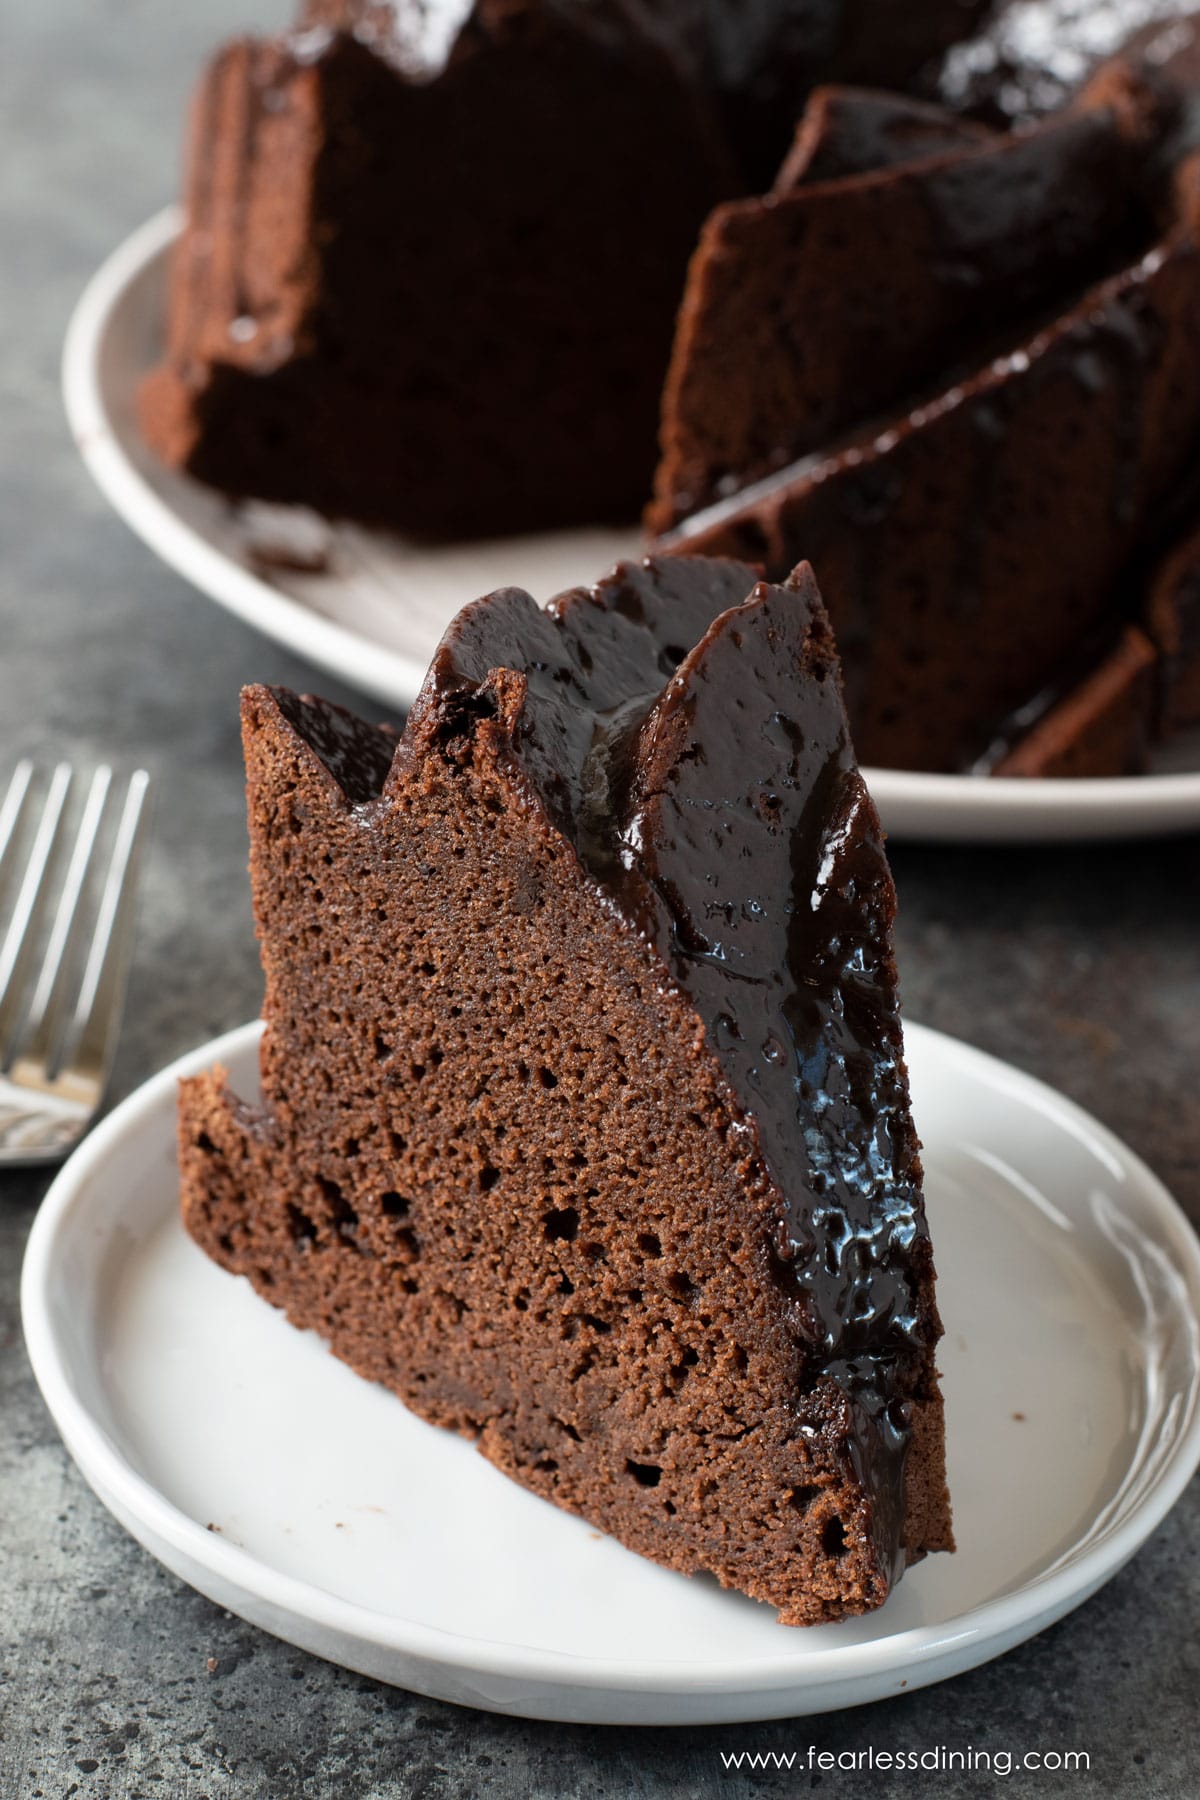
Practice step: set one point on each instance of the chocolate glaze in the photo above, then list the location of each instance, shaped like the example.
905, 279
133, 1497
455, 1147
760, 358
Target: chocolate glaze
682, 725
753, 859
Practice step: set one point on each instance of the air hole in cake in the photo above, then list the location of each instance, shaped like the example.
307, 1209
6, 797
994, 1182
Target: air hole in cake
344, 1217
437, 1056
600, 1325
547, 1466
205, 1143
561, 1222
569, 1429
409, 1241
382, 1048
669, 1508
226, 1243
547, 1078
393, 1205
301, 1226
351, 1147
411, 1287
634, 1296
645, 1474
566, 1285
802, 1497
681, 1285
334, 1197
399, 1144
417, 1071
833, 1537
427, 968
740, 1359
670, 657
265, 1277
594, 1252
649, 1244
489, 1175
521, 1300
690, 1358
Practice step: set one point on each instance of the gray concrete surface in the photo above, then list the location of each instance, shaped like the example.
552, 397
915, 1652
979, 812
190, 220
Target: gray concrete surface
1082, 966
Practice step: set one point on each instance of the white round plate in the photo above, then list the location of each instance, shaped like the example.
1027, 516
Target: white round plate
266, 1474
370, 608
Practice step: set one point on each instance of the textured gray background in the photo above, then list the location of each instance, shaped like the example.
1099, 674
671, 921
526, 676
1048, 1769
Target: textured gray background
1082, 966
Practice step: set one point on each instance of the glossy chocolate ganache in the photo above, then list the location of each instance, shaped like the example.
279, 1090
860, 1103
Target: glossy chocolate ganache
586, 1122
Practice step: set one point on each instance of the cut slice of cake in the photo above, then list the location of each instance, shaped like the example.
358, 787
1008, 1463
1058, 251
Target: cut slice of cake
829, 302
585, 1122
972, 397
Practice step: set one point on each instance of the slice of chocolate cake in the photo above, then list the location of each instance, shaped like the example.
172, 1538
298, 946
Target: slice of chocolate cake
809, 311
968, 386
585, 1122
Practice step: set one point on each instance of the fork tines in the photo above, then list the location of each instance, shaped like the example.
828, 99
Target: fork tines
69, 855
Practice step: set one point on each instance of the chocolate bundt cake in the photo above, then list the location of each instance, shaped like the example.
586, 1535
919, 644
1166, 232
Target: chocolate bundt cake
968, 387
432, 254
585, 1122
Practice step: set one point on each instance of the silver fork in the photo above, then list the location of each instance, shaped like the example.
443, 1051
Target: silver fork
64, 956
